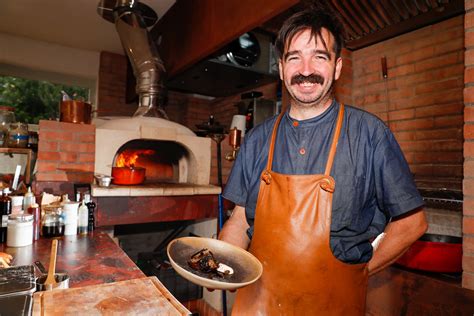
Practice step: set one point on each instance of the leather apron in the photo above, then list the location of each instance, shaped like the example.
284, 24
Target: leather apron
300, 276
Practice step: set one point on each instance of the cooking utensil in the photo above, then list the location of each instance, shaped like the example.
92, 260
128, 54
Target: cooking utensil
128, 175
50, 282
434, 253
247, 268
74, 111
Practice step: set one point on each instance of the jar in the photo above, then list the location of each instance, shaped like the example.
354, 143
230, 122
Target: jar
18, 135
7, 116
52, 221
20, 230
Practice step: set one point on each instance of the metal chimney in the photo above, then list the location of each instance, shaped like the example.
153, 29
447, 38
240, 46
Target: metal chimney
131, 19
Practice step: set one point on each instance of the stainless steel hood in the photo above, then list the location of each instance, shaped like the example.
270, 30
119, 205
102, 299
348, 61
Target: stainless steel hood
246, 63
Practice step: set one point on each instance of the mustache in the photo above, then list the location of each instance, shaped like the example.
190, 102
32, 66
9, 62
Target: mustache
313, 78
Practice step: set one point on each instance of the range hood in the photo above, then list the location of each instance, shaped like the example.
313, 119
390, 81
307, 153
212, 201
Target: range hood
245, 64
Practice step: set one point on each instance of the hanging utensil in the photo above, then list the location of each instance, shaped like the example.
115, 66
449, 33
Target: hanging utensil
50, 282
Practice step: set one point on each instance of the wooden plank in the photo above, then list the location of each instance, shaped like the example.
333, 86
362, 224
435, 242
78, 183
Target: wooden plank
192, 30
134, 210
144, 296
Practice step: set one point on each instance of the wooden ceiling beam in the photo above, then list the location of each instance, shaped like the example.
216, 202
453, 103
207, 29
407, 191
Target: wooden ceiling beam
193, 30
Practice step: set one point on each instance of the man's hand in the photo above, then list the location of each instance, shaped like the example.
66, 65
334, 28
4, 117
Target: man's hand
398, 237
5, 260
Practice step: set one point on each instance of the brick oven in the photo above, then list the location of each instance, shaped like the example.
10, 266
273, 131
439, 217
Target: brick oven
177, 162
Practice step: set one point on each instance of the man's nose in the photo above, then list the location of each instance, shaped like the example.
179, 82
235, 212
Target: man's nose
307, 67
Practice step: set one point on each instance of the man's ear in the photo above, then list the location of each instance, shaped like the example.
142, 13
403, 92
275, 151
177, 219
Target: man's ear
337, 73
280, 69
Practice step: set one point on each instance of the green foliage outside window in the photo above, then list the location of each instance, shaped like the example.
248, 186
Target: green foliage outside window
35, 100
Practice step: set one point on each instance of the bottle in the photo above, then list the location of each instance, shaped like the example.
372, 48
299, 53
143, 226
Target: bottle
70, 215
5, 210
83, 219
91, 206
35, 211
28, 199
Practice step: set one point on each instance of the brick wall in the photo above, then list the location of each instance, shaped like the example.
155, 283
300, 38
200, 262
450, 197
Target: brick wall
468, 183
65, 152
422, 99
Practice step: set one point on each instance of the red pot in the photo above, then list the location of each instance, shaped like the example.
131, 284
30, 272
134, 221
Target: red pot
434, 253
128, 175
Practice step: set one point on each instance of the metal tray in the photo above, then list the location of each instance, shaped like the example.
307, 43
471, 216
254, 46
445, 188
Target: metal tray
17, 280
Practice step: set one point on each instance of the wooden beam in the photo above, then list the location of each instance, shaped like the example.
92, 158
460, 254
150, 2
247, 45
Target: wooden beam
193, 30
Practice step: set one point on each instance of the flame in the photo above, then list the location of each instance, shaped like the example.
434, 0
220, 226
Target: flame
128, 157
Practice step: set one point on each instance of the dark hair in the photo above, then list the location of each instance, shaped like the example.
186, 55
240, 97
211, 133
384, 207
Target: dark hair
315, 20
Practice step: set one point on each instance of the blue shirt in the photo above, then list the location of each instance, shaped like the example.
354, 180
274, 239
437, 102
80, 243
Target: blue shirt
373, 180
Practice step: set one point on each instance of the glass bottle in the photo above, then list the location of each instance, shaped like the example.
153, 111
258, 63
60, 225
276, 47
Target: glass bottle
7, 116
18, 135
83, 219
91, 206
5, 210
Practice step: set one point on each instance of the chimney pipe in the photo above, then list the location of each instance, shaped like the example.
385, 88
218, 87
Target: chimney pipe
131, 19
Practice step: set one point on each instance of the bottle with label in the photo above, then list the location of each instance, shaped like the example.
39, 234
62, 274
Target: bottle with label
5, 210
91, 206
83, 219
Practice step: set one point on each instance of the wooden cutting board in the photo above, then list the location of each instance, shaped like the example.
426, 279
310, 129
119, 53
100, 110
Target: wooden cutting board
144, 296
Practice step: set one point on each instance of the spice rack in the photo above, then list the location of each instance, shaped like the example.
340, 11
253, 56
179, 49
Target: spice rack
22, 151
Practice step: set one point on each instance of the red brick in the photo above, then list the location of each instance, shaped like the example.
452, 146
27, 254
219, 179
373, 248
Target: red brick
402, 114
414, 56
439, 61
437, 86
77, 147
468, 280
468, 244
469, 39
436, 157
54, 135
468, 225
84, 137
469, 75
469, 131
468, 210
469, 113
469, 57
412, 125
468, 263
469, 19
68, 157
468, 187
468, 4
51, 177
80, 177
49, 155
76, 167
405, 136
469, 94
468, 149
84, 157
47, 146
44, 166
445, 133
448, 121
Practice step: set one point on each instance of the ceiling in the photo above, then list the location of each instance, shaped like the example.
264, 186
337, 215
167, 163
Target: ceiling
368, 22
72, 23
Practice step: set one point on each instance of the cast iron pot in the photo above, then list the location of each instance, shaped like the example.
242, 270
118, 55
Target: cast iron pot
128, 175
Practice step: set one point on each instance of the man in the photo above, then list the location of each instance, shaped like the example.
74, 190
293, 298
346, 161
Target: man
316, 185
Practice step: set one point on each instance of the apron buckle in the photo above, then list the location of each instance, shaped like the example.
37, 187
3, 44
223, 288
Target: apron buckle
328, 185
267, 177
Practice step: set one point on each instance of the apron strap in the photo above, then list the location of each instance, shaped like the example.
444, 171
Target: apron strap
272, 142
332, 151
335, 140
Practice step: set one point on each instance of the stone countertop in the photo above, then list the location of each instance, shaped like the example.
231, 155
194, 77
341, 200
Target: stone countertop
88, 259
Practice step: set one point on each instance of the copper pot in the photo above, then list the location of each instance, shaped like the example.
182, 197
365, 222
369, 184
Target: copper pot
128, 175
72, 111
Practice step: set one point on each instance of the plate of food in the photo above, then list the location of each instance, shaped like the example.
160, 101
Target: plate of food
213, 263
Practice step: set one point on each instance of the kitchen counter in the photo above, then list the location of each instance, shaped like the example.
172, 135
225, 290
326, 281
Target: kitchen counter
89, 259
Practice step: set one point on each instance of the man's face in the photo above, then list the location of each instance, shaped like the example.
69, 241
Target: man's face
309, 69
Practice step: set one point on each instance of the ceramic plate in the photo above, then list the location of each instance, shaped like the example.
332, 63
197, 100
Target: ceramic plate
247, 268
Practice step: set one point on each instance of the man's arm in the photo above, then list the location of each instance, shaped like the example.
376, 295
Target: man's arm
235, 229
399, 234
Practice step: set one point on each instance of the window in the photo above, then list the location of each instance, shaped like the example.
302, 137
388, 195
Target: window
35, 100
